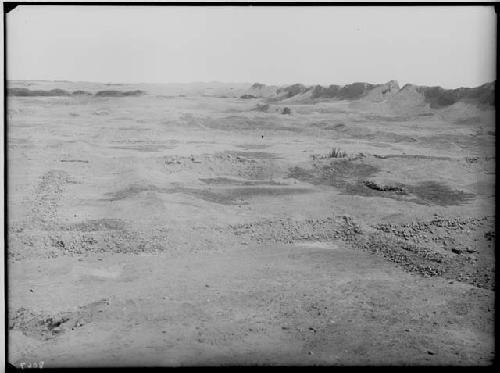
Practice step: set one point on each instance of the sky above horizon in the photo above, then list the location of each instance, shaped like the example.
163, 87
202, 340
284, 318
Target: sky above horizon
447, 46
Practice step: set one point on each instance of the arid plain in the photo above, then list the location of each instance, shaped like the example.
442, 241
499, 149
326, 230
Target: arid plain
209, 224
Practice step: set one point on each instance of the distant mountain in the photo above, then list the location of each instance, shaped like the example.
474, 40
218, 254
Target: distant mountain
408, 96
411, 98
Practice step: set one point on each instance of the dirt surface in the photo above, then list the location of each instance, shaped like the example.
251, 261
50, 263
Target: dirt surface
179, 228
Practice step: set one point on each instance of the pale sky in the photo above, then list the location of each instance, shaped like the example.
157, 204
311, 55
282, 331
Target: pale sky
446, 46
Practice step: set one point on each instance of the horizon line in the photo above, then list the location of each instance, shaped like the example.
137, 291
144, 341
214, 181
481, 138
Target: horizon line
236, 83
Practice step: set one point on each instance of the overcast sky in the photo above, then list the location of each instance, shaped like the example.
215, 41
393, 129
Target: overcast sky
447, 46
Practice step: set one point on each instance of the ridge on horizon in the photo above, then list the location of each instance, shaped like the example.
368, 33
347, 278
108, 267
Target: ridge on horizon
247, 83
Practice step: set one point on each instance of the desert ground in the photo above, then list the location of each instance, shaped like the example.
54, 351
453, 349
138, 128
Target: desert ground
187, 225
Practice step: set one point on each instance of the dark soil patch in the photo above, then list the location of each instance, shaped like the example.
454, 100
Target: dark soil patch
228, 181
433, 192
253, 146
289, 128
74, 160
257, 172
146, 148
348, 177
24, 92
133, 129
329, 126
97, 225
257, 155
345, 175
129, 192
200, 142
226, 196
385, 118
237, 196
119, 93
484, 188
230, 123
336, 173
414, 156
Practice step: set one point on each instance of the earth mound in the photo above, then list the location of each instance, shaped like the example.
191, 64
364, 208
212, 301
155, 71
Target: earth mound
383, 92
292, 90
438, 97
259, 90
325, 92
410, 97
81, 93
247, 96
25, 92
119, 93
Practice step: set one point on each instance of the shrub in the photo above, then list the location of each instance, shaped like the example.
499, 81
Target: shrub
263, 107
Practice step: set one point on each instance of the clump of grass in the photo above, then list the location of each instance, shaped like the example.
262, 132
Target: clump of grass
337, 153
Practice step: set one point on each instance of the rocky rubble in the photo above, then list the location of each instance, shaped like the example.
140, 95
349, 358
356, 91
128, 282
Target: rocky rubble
441, 230
412, 257
383, 187
90, 239
453, 247
44, 326
412, 246
290, 231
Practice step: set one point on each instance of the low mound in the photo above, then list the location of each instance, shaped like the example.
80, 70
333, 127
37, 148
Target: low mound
25, 92
81, 93
119, 93
259, 90
292, 90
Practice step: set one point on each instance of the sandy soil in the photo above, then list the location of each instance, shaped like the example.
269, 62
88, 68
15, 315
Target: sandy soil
191, 229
